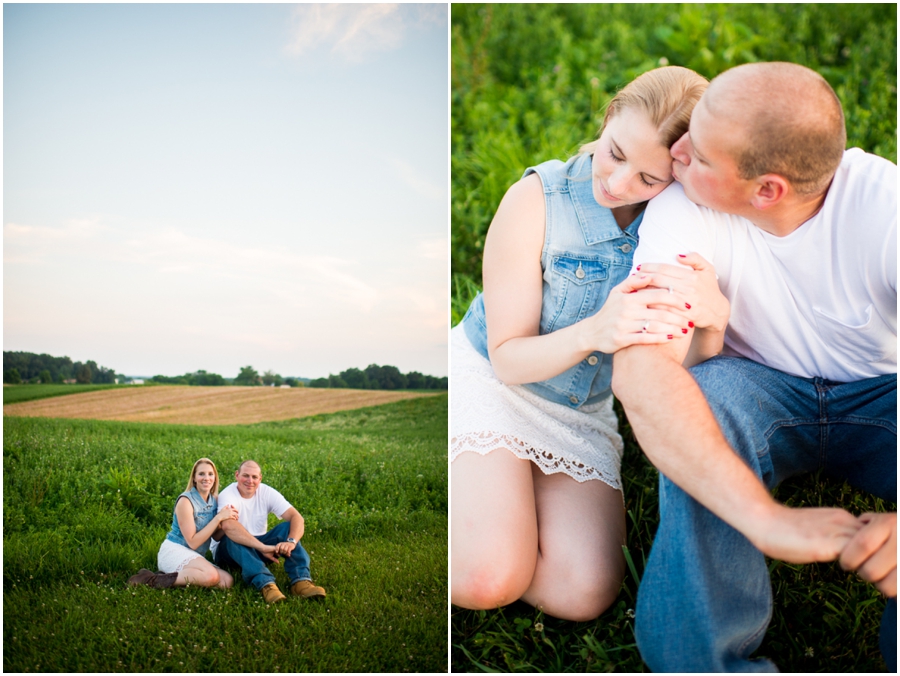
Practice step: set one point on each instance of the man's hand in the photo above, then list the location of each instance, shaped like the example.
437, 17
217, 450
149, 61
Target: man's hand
872, 552
285, 548
806, 534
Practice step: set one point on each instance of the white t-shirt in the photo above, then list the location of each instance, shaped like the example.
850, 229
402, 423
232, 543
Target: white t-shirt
821, 301
253, 513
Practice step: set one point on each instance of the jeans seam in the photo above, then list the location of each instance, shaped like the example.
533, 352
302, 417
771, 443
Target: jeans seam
761, 630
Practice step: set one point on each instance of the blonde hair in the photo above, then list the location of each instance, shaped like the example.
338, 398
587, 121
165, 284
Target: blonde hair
666, 95
215, 489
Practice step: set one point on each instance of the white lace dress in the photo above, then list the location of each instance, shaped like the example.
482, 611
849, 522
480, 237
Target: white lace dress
486, 415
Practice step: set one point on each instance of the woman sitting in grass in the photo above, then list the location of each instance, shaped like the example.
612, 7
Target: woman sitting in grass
537, 507
194, 522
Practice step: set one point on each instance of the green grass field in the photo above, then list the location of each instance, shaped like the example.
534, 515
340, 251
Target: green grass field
13, 394
85, 504
529, 83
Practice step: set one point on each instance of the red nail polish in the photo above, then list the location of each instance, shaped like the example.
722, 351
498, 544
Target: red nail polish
684, 330
691, 324
687, 305
638, 267
670, 336
682, 256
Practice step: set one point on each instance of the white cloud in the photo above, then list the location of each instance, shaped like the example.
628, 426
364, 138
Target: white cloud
352, 31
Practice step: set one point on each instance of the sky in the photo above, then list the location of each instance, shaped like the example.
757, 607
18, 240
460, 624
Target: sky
214, 186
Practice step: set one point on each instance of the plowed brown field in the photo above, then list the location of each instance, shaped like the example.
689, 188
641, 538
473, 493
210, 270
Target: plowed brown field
204, 405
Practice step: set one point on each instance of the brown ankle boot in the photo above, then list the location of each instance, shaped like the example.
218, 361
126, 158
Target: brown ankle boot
151, 579
143, 576
163, 580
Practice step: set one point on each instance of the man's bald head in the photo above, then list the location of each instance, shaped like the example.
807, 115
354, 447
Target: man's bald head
787, 120
253, 465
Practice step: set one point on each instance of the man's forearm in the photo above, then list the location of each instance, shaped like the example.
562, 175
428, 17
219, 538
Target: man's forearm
236, 532
297, 526
679, 434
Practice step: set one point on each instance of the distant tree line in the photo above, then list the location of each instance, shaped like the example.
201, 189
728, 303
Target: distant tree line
196, 378
375, 377
27, 367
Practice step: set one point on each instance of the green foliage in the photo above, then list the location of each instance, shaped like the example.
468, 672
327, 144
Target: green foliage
530, 82
14, 395
12, 376
85, 504
247, 376
32, 367
376, 377
200, 377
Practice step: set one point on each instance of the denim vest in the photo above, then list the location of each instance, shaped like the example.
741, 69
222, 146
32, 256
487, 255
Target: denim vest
585, 255
203, 514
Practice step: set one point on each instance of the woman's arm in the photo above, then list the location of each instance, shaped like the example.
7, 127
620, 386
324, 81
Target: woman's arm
184, 512
513, 295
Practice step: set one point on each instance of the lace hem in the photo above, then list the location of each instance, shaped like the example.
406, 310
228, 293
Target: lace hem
487, 442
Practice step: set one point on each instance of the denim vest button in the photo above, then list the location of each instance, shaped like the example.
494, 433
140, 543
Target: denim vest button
626, 248
592, 360
579, 272
573, 399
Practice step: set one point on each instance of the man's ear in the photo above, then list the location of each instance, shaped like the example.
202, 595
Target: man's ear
770, 189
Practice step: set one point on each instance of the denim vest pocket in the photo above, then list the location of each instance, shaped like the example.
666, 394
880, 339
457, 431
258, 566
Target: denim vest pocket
582, 289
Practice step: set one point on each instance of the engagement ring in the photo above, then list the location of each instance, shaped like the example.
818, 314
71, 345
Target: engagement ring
645, 326
671, 290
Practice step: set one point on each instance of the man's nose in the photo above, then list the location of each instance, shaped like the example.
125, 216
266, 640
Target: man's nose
681, 149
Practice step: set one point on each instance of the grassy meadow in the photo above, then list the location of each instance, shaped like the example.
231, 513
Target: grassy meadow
87, 503
529, 83
13, 394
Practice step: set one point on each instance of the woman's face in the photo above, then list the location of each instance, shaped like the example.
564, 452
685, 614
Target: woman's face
204, 477
630, 165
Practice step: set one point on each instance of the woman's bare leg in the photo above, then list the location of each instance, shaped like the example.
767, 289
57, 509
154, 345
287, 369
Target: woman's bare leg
198, 572
581, 529
494, 529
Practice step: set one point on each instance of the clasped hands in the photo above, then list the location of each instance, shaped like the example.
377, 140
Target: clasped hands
872, 551
659, 303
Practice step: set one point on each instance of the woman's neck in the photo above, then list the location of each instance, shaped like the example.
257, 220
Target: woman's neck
203, 495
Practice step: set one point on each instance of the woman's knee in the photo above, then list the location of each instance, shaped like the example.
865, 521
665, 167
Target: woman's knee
579, 600
490, 585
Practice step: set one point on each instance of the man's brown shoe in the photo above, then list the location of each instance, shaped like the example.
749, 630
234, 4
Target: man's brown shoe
272, 594
307, 590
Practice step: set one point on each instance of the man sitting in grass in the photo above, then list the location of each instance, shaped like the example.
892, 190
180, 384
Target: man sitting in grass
247, 545
803, 237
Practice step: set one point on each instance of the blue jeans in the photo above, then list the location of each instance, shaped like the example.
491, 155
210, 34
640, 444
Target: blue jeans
705, 600
230, 554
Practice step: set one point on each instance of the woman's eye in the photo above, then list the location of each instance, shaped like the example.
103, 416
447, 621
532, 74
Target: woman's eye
615, 157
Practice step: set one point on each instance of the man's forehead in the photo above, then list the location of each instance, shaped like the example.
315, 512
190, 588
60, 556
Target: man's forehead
250, 468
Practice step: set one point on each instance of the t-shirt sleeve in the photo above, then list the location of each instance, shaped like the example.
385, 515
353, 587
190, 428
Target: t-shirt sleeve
225, 498
275, 502
673, 225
